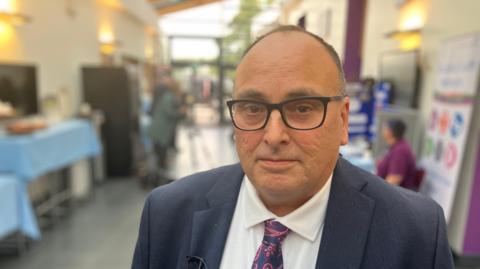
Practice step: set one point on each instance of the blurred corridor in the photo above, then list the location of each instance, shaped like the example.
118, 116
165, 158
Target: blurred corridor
102, 232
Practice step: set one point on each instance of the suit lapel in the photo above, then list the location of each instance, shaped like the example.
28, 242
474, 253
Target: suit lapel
348, 210
211, 225
347, 220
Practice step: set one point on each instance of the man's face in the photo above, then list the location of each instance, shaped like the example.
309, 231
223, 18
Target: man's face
287, 165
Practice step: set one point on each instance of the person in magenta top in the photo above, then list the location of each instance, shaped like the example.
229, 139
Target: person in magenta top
397, 166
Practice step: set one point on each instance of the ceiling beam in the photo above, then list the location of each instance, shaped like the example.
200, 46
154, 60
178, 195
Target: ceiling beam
168, 6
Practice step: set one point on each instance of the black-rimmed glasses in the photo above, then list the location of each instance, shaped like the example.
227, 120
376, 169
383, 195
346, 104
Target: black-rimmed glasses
303, 113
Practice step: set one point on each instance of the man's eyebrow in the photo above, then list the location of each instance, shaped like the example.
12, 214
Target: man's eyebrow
301, 92
258, 95
251, 94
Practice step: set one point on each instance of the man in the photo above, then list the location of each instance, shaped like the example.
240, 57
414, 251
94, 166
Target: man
292, 202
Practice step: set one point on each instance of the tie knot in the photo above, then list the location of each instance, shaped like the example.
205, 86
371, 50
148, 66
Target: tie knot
269, 254
275, 230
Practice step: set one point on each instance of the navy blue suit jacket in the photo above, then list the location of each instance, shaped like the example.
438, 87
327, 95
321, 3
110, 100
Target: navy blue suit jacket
368, 224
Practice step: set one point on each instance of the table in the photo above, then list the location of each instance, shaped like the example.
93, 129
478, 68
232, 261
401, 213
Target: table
23, 158
366, 163
30, 156
15, 209
358, 154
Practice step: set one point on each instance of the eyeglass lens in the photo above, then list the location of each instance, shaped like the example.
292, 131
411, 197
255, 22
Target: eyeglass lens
299, 114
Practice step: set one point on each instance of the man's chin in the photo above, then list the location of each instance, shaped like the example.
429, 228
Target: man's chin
274, 182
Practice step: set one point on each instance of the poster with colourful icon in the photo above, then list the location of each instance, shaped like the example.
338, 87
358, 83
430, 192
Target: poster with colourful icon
449, 121
447, 131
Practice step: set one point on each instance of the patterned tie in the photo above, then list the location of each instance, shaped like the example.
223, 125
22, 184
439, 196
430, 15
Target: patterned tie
269, 254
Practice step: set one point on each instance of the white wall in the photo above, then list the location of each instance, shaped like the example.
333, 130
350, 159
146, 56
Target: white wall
63, 36
381, 18
315, 11
141, 10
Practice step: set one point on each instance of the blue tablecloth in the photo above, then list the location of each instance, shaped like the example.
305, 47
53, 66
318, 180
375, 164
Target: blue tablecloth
26, 157
356, 154
16, 212
366, 163
30, 156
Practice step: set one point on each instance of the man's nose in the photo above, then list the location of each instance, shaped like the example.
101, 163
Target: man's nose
276, 131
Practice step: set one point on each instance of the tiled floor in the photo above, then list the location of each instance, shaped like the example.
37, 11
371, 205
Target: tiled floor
101, 232
97, 234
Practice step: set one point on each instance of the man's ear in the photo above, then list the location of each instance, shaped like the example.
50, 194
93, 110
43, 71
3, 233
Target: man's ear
344, 115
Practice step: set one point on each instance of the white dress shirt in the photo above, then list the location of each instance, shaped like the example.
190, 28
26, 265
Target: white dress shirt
300, 248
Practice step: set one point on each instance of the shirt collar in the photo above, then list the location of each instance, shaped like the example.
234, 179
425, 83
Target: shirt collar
307, 220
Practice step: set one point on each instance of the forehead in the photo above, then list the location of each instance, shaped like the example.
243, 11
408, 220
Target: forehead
287, 62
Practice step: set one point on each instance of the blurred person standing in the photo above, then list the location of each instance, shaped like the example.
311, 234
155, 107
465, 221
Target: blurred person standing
397, 166
182, 106
165, 113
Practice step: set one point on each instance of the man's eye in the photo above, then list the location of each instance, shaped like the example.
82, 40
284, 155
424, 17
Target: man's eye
252, 108
303, 109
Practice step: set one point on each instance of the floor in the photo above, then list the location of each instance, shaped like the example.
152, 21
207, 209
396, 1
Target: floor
101, 232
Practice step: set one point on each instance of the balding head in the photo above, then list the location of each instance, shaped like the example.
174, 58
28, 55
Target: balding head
288, 29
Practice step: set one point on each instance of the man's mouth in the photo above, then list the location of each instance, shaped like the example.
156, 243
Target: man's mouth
276, 164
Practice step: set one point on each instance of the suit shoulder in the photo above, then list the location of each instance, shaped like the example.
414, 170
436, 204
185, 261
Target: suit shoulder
394, 199
406, 229
401, 200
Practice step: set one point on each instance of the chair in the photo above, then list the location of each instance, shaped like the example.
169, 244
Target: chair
419, 175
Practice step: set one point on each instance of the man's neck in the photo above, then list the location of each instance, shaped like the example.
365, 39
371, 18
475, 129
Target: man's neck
283, 210
287, 205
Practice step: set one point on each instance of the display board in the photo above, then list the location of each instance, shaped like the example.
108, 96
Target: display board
450, 117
